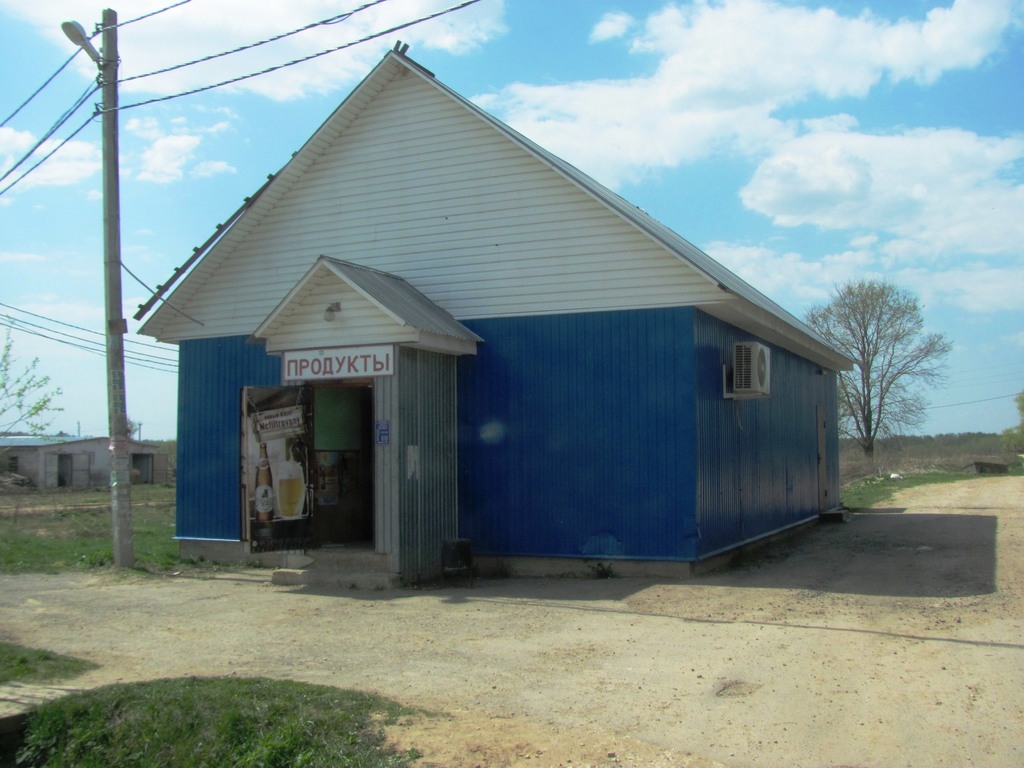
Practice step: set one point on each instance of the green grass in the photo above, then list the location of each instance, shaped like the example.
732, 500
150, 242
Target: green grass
34, 666
222, 722
47, 531
873, 491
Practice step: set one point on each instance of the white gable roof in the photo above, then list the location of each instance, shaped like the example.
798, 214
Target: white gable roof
409, 178
373, 307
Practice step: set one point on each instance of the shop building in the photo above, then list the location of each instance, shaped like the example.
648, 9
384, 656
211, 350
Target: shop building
426, 327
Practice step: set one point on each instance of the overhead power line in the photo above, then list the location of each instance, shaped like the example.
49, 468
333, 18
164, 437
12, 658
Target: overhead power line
312, 56
972, 402
40, 89
67, 114
162, 347
71, 58
149, 15
48, 155
18, 324
139, 360
50, 131
324, 22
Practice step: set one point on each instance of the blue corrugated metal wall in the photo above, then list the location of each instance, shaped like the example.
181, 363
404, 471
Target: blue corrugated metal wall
576, 436
211, 375
757, 460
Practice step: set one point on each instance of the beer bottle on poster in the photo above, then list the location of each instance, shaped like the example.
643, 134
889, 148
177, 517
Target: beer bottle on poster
264, 488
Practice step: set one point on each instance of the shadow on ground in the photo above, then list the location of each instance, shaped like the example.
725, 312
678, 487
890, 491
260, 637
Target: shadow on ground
882, 552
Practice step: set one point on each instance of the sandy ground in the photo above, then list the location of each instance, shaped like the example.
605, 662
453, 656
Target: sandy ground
896, 639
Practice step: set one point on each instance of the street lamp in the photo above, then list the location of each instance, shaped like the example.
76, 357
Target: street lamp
117, 416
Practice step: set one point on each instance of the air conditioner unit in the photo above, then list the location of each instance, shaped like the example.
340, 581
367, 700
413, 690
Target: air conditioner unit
751, 369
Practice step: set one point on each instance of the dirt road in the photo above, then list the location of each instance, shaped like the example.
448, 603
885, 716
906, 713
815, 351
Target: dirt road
896, 639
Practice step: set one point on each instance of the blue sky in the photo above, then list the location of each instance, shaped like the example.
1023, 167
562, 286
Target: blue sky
802, 144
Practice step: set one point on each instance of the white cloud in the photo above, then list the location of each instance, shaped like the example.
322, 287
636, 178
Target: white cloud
13, 144
798, 282
210, 168
934, 191
979, 289
72, 163
170, 151
726, 69
612, 25
75, 161
165, 159
145, 127
789, 277
8, 257
199, 30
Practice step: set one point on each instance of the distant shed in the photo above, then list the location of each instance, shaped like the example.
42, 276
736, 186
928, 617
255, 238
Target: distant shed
987, 468
53, 462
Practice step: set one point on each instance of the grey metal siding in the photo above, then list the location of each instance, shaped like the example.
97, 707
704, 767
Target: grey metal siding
757, 465
576, 436
387, 470
211, 375
428, 495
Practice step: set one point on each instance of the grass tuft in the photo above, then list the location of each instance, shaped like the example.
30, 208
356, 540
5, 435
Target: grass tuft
872, 491
36, 666
50, 531
230, 722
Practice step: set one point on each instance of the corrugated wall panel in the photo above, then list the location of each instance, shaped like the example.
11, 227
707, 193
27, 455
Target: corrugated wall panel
428, 503
757, 458
387, 471
211, 375
576, 436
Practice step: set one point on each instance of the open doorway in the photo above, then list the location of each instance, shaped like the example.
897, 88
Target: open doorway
343, 466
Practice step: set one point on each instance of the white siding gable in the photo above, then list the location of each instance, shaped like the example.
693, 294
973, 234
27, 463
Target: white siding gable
419, 186
372, 308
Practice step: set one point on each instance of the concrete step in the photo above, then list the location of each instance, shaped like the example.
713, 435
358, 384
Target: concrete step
296, 577
345, 567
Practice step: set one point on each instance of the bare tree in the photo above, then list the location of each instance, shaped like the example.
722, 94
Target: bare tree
26, 403
879, 326
1013, 438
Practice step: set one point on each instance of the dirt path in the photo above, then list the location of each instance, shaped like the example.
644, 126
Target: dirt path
896, 639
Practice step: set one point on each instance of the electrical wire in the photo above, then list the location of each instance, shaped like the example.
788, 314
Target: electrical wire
48, 155
149, 15
314, 25
162, 347
54, 128
972, 402
39, 90
267, 71
15, 325
74, 108
18, 324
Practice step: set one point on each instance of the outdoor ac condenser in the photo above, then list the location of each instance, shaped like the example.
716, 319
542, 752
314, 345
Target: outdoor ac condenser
751, 369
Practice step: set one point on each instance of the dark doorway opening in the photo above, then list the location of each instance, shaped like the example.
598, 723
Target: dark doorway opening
65, 470
343, 464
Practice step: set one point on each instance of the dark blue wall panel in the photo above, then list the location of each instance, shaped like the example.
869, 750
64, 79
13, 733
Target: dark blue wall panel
757, 468
211, 374
576, 436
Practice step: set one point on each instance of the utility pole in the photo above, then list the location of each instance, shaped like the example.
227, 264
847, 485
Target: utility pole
116, 325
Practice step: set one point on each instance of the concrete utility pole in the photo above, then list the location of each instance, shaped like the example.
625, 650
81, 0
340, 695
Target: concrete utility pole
117, 326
